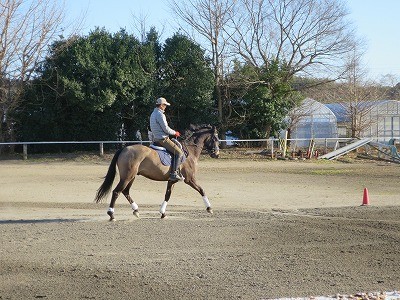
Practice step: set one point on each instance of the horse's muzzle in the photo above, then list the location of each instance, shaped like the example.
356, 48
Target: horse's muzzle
214, 154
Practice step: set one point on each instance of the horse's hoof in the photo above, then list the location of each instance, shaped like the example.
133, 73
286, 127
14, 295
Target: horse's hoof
163, 216
112, 219
209, 210
136, 213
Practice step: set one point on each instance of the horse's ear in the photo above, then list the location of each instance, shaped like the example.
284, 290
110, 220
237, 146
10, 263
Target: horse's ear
192, 127
187, 134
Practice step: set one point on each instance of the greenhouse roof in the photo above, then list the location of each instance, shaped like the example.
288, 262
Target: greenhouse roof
315, 110
341, 110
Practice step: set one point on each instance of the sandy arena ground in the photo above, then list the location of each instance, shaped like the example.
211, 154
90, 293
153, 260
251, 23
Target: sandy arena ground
279, 229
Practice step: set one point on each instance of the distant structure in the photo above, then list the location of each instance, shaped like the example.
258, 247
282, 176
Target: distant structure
310, 120
377, 119
366, 119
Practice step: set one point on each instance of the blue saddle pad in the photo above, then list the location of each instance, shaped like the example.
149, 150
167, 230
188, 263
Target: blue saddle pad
164, 155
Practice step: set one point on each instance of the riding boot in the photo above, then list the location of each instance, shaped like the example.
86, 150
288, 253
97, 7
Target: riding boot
175, 173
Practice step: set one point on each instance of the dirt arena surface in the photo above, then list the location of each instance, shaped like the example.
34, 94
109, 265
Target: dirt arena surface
279, 229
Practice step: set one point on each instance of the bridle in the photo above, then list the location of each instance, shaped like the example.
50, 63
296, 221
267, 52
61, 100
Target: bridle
212, 144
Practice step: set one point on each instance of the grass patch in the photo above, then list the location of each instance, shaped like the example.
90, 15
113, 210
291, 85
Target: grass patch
330, 171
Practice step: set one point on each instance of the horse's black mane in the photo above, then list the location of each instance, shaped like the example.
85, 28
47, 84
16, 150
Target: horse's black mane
195, 130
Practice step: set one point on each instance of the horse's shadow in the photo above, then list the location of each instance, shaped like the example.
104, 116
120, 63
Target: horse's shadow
39, 221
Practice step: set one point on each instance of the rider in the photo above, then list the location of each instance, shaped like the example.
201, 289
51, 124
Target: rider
161, 132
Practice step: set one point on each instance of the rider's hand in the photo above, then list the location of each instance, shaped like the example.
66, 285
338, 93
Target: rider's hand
177, 134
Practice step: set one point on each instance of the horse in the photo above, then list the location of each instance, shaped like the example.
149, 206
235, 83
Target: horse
143, 160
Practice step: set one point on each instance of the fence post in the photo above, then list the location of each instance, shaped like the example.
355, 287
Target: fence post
25, 151
272, 148
101, 149
284, 150
336, 145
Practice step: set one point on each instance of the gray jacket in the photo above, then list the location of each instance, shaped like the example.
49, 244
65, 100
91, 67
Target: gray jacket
159, 126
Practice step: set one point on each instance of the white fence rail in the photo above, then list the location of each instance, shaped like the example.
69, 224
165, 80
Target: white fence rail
271, 144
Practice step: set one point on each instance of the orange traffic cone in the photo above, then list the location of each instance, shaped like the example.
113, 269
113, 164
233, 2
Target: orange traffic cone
365, 197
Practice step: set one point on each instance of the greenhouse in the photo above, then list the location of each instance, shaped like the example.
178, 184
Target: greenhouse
311, 120
376, 119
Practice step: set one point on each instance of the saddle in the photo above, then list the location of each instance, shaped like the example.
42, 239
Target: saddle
165, 155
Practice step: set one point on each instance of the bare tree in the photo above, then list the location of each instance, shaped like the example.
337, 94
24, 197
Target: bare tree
141, 26
209, 19
27, 29
310, 36
355, 110
357, 94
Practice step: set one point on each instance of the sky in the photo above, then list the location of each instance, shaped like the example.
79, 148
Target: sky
376, 21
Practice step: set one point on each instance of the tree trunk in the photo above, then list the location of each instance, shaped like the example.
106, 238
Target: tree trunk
267, 131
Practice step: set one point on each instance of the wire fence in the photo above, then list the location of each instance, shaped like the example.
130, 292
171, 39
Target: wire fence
271, 146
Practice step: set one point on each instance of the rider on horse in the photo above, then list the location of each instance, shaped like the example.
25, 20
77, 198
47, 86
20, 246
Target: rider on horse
161, 132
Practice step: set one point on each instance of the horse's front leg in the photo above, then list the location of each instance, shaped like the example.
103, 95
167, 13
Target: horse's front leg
192, 182
168, 192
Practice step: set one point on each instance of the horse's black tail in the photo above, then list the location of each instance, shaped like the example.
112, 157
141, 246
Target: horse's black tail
104, 189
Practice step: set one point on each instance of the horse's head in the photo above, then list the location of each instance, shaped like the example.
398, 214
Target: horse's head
212, 143
204, 136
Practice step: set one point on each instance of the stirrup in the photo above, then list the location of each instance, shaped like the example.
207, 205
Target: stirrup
175, 176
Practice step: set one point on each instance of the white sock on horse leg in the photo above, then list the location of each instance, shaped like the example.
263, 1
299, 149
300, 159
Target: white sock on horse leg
206, 202
163, 207
134, 205
111, 209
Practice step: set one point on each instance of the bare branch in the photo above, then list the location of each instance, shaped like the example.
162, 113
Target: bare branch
27, 28
209, 19
308, 35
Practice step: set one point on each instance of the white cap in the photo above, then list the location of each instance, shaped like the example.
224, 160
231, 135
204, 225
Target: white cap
162, 100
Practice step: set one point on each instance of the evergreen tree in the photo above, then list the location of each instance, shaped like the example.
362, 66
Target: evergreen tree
186, 79
262, 100
88, 87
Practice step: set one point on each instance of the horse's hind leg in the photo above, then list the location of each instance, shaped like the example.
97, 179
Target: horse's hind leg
168, 192
134, 206
115, 193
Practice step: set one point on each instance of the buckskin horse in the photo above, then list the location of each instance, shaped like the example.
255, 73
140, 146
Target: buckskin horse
142, 160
